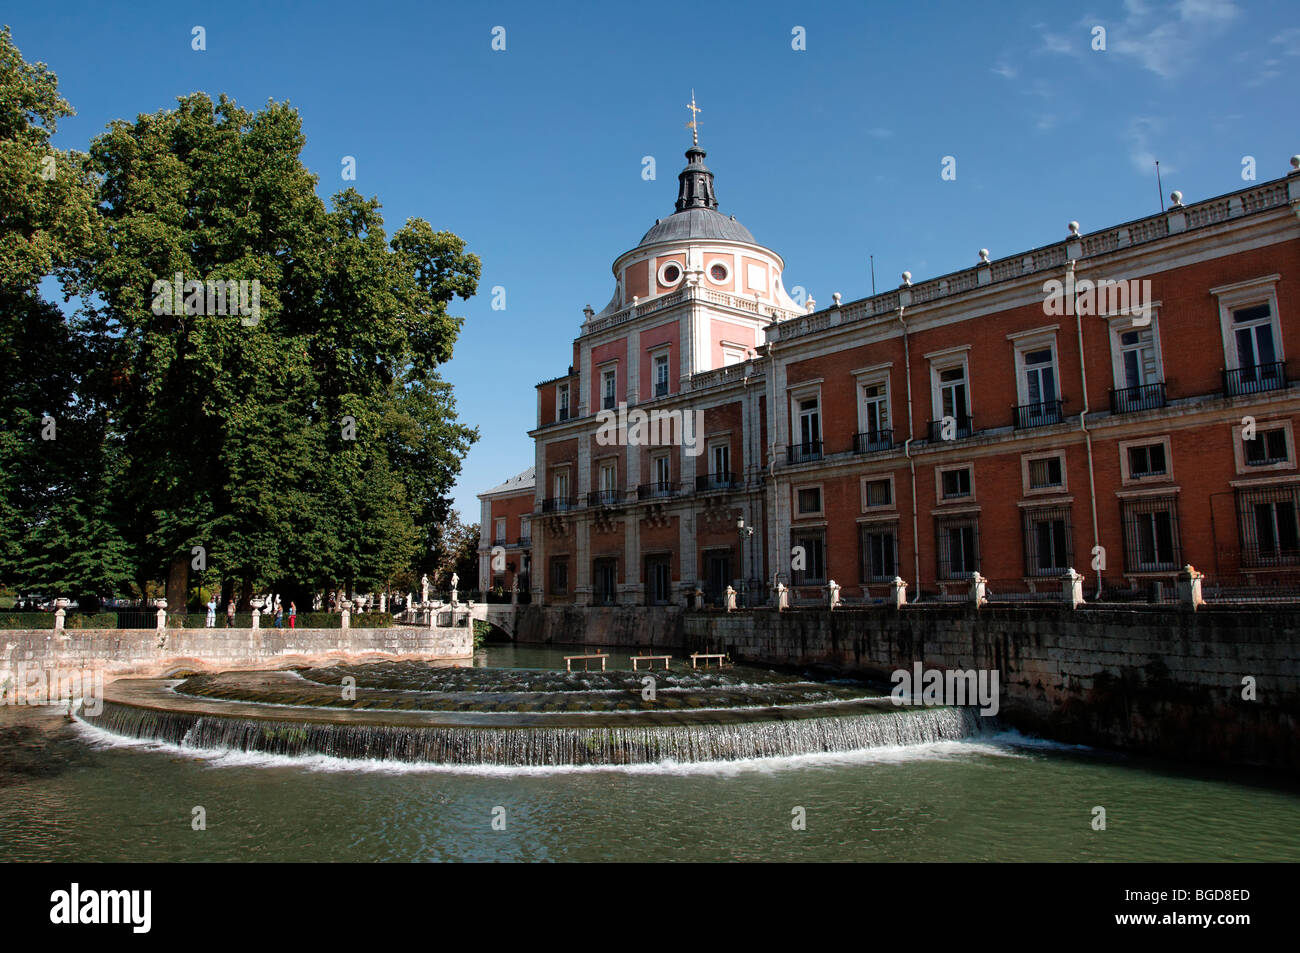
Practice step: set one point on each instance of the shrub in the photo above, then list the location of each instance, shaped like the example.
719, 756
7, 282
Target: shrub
98, 620
27, 620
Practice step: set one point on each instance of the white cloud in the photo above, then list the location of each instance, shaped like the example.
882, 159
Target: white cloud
880, 133
1057, 43
1005, 71
1289, 40
1165, 40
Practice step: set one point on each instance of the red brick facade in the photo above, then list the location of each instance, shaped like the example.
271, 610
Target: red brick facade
1015, 420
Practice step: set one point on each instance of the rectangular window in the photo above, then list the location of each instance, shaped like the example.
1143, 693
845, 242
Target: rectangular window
1269, 446
609, 387
1147, 460
609, 483
559, 575
813, 544
957, 544
1253, 331
1045, 472
880, 492
1040, 376
525, 530
956, 483
720, 460
1270, 533
661, 375
1150, 535
662, 470
562, 485
717, 576
810, 426
500, 536
1137, 355
879, 553
810, 500
658, 580
562, 402
1047, 541
953, 395
604, 574
875, 409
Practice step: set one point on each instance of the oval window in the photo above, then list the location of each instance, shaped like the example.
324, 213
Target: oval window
718, 272
670, 275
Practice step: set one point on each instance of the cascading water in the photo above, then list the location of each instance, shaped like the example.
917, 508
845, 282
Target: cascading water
405, 712
542, 746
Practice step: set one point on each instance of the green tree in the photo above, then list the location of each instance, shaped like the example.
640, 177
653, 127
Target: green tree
455, 549
58, 450
281, 441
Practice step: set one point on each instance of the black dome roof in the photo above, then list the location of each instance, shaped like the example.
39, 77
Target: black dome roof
697, 215
697, 223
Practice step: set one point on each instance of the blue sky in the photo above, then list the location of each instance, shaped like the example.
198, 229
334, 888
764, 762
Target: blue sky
828, 155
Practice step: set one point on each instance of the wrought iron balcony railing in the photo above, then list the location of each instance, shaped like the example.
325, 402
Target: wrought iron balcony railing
1126, 400
873, 441
656, 491
557, 504
604, 497
962, 427
1039, 414
1255, 378
661, 388
715, 481
804, 451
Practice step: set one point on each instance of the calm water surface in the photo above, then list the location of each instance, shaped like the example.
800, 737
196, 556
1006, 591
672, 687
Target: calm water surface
69, 793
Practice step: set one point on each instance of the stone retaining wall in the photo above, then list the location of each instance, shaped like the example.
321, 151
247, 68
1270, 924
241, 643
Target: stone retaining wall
30, 657
623, 626
1157, 679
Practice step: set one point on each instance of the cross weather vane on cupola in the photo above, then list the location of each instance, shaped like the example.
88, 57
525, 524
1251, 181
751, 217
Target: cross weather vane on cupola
694, 124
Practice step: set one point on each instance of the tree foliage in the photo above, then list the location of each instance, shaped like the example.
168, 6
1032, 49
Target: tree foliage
309, 440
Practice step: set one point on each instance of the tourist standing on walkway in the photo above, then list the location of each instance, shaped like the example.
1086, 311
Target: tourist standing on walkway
293, 614
230, 614
279, 616
212, 613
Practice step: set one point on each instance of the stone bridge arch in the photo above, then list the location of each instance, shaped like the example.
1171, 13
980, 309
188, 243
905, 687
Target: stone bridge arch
499, 615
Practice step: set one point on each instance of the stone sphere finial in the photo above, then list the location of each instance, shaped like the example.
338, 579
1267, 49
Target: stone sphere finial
1295, 162
1176, 197
836, 298
907, 278
984, 254
1074, 228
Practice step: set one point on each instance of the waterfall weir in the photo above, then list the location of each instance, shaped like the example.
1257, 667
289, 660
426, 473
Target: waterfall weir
695, 718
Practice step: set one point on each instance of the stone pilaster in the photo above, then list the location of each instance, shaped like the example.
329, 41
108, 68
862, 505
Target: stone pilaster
582, 561
633, 588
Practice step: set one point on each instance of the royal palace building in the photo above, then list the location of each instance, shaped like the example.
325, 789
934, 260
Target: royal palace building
1118, 402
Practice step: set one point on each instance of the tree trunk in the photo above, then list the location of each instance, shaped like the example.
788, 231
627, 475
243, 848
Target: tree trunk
178, 583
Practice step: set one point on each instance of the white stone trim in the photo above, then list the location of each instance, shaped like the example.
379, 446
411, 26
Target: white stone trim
1027, 490
1239, 449
1127, 479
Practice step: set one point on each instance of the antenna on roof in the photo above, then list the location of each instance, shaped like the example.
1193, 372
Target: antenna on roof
1160, 188
873, 276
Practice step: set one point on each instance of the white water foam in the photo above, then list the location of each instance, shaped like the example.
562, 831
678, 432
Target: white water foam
1002, 745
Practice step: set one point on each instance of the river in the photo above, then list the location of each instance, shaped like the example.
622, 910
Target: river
69, 792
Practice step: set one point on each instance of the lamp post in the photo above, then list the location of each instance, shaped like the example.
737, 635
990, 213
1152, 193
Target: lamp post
744, 532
